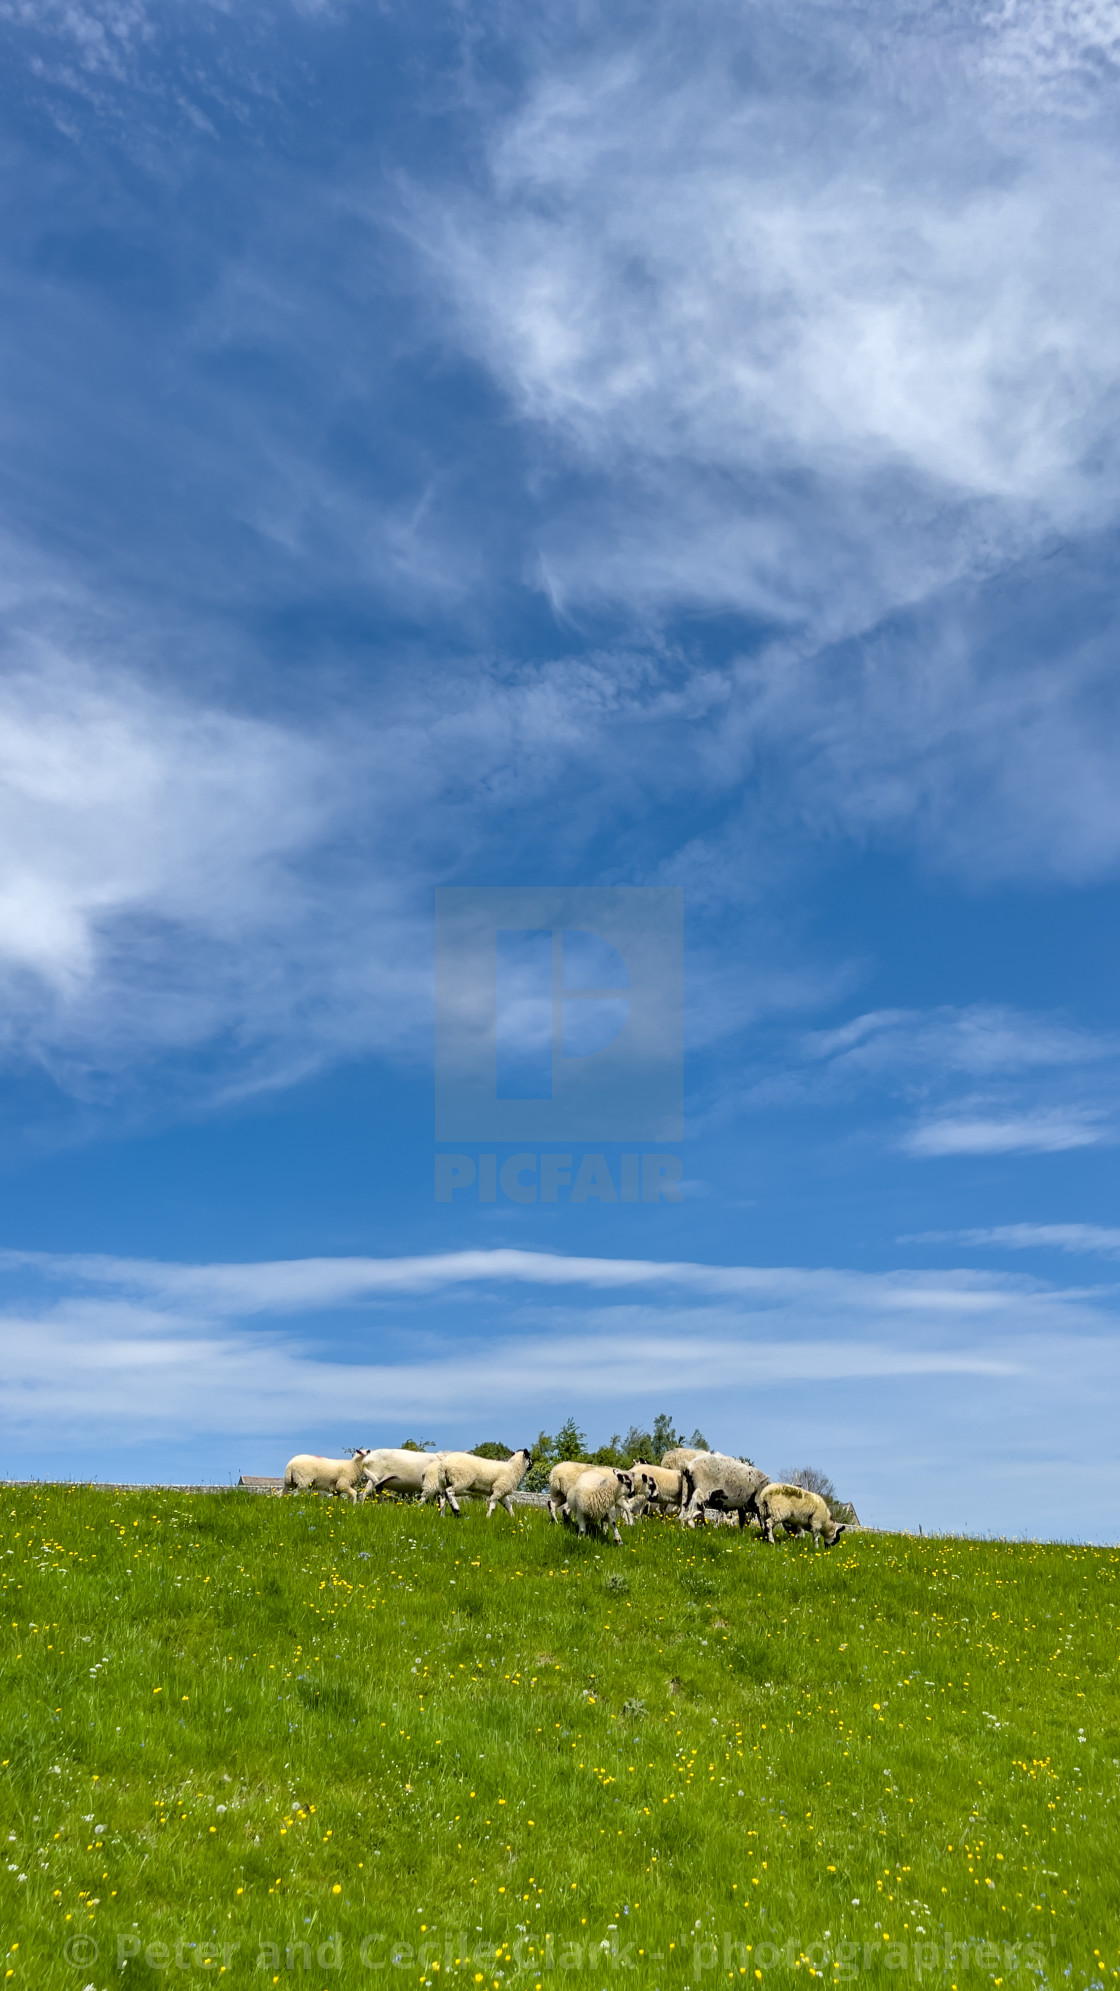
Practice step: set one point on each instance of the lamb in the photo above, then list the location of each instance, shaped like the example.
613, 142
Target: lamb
392, 1469
668, 1487
799, 1512
341, 1477
599, 1495
711, 1480
462, 1472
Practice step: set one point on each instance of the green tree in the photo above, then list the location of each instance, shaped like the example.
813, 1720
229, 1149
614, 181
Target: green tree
665, 1435
612, 1453
491, 1449
570, 1441
638, 1444
544, 1458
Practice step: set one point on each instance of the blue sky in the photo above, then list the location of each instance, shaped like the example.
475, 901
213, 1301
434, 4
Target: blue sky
552, 446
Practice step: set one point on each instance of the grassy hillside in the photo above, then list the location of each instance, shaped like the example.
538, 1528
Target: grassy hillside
230, 1721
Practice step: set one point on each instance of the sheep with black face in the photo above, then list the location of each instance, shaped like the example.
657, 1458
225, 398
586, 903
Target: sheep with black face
729, 1485
600, 1497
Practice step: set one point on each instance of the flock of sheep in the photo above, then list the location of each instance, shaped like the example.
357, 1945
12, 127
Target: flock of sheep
685, 1483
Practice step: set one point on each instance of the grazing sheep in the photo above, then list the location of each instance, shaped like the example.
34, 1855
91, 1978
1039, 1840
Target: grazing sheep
711, 1480
462, 1472
392, 1469
560, 1481
307, 1472
799, 1511
599, 1496
668, 1488
681, 1455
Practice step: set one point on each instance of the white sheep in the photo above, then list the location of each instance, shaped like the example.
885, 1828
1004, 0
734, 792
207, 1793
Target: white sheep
560, 1481
307, 1472
681, 1455
668, 1487
799, 1512
729, 1485
395, 1469
599, 1497
458, 1473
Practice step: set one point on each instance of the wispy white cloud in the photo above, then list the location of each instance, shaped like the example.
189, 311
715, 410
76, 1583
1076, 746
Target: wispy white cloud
982, 1079
159, 884
1090, 1240
188, 1383
979, 1040
823, 338
1025, 1133
699, 270
1065, 52
297, 1285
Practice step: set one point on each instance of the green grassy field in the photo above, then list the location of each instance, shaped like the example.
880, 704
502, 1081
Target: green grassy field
295, 1742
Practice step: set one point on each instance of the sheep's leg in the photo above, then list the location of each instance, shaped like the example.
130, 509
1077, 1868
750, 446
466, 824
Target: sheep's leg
452, 1502
768, 1529
552, 1510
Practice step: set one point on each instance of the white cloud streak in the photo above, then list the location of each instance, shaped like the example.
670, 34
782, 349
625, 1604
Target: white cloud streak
1025, 1133
1088, 1240
297, 1285
985, 1079
191, 1383
981, 1040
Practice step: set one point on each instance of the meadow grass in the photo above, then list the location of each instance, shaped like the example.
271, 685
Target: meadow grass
297, 1742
